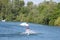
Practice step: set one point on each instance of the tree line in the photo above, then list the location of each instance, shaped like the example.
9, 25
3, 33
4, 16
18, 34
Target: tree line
47, 12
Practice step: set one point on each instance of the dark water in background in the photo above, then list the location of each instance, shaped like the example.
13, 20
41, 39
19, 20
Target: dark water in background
12, 30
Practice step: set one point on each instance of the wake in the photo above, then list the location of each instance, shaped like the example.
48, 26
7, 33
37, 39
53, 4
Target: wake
30, 32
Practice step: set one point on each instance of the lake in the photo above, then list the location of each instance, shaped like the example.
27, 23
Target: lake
12, 30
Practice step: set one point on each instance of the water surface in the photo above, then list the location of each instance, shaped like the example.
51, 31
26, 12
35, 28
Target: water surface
12, 30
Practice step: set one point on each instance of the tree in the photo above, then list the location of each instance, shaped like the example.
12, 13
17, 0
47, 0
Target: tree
57, 22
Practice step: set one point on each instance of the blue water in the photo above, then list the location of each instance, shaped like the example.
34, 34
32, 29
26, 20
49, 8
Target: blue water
12, 30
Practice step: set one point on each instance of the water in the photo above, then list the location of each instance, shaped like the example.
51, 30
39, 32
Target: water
12, 30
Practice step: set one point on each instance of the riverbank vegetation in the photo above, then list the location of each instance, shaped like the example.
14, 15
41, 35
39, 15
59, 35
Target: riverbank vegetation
47, 12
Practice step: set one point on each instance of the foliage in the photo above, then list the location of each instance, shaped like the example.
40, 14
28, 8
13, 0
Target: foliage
47, 12
57, 21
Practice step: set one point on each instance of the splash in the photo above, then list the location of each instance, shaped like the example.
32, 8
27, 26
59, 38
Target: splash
3, 20
29, 32
24, 24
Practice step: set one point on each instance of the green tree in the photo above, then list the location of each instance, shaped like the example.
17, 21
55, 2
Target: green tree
57, 22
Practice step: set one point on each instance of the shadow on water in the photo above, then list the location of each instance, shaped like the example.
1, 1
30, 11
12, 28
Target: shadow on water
12, 35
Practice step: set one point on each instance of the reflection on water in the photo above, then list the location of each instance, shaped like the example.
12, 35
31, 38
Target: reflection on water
12, 31
16, 35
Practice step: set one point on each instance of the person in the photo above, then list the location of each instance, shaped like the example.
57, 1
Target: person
27, 29
27, 26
